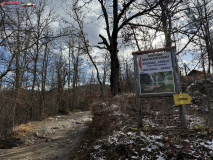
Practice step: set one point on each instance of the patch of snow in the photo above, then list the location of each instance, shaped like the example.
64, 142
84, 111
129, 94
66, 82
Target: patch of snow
103, 104
178, 146
148, 121
194, 106
131, 142
114, 106
144, 136
154, 147
97, 146
124, 127
160, 156
118, 113
170, 127
149, 149
210, 144
112, 140
134, 157
155, 137
129, 133
160, 144
136, 152
194, 121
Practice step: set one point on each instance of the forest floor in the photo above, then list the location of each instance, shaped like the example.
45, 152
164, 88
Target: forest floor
110, 132
113, 134
53, 138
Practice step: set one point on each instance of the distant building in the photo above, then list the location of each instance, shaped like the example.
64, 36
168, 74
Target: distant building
195, 73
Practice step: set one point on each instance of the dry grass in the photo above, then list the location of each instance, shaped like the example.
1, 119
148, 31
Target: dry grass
21, 130
25, 127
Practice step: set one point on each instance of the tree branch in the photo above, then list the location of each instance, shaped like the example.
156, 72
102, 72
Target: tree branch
106, 17
141, 25
188, 42
104, 42
101, 47
125, 7
139, 14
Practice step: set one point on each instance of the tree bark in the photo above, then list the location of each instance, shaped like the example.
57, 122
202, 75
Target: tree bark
114, 77
166, 28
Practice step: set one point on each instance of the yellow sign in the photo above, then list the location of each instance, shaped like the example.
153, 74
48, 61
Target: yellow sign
181, 99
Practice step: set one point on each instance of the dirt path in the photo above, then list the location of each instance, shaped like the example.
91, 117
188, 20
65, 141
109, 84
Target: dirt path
54, 138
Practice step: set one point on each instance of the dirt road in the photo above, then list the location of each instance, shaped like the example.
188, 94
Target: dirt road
53, 139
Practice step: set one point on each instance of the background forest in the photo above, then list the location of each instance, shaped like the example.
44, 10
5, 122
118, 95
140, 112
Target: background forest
52, 61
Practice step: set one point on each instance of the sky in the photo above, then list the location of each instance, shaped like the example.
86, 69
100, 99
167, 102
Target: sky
94, 25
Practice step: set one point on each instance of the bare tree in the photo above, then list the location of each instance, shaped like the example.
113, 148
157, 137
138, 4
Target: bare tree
113, 28
119, 21
199, 14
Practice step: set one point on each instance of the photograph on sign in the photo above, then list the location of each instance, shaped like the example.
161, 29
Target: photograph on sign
156, 73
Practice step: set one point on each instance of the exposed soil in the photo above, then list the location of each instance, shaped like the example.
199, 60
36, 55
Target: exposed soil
53, 138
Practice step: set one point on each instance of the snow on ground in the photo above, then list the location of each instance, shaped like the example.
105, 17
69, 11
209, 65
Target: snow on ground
114, 106
157, 140
194, 121
161, 146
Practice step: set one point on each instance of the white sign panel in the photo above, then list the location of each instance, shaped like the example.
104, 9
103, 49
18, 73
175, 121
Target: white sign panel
149, 63
156, 73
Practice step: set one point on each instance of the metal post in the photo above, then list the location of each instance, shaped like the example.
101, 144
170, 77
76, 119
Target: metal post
137, 91
178, 88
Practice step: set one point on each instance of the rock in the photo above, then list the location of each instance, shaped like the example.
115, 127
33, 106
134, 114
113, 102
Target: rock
36, 134
47, 140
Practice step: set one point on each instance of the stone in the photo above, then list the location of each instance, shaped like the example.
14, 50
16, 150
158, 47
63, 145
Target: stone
36, 134
47, 140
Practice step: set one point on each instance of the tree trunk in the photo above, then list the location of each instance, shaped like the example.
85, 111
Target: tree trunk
44, 72
207, 91
69, 76
166, 27
17, 57
114, 77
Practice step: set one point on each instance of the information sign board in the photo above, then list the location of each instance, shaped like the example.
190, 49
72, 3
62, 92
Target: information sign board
156, 73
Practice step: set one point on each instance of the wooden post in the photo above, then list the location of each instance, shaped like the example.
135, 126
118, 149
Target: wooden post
178, 88
137, 91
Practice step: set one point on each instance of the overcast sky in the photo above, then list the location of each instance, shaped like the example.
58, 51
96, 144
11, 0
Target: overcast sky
94, 25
